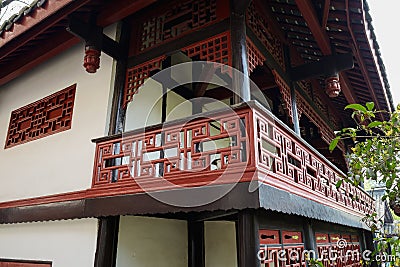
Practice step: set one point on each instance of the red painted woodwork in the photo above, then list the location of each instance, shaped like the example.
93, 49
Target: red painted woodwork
214, 49
285, 252
282, 160
91, 60
254, 57
177, 19
285, 92
332, 86
259, 24
347, 251
50, 115
201, 149
16, 263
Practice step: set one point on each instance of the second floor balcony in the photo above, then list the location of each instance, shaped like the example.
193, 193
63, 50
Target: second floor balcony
244, 143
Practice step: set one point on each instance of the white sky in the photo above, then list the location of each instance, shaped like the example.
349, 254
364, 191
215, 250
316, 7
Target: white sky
385, 16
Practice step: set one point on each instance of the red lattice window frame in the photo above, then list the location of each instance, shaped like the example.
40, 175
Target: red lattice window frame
176, 19
136, 76
214, 49
47, 116
254, 57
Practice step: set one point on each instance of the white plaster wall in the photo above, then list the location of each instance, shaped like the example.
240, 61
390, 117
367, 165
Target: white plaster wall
220, 244
150, 242
65, 243
61, 162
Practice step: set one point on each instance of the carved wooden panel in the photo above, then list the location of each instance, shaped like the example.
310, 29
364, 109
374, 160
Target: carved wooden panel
16, 263
337, 249
281, 248
205, 145
214, 49
261, 27
50, 115
254, 57
179, 18
285, 92
285, 158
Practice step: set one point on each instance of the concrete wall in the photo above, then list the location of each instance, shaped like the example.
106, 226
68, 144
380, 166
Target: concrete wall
65, 243
61, 162
220, 243
150, 242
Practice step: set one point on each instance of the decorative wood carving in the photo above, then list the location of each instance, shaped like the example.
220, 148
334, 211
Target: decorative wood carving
141, 156
177, 19
261, 27
348, 254
50, 115
274, 242
214, 49
285, 92
287, 161
136, 76
254, 57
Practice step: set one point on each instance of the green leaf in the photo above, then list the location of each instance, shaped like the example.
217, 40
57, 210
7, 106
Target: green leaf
339, 183
370, 105
333, 144
356, 107
374, 124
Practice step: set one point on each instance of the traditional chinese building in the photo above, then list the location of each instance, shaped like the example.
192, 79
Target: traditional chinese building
142, 157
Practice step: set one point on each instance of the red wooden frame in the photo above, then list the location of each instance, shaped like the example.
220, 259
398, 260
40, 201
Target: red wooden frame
47, 116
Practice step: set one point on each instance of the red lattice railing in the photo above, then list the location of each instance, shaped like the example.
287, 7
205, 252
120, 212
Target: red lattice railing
246, 144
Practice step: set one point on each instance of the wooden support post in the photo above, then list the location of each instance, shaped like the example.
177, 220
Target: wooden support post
247, 242
117, 118
196, 244
241, 83
107, 241
309, 237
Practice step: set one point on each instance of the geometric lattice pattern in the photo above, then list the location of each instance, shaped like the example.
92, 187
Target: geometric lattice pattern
285, 92
262, 29
254, 56
200, 147
336, 249
288, 159
214, 49
136, 76
50, 115
281, 248
179, 18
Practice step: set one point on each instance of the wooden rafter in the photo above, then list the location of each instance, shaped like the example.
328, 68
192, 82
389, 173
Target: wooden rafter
321, 37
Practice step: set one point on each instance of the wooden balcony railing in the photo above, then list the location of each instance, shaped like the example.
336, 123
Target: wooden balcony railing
226, 146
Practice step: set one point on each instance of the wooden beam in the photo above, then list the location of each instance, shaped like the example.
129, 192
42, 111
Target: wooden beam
321, 37
107, 241
325, 15
36, 23
59, 43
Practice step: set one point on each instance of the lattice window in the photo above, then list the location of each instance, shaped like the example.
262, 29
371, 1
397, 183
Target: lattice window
214, 49
179, 18
261, 27
254, 57
136, 76
339, 249
285, 92
50, 115
281, 248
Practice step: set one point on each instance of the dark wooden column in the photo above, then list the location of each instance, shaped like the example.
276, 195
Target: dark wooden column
309, 237
107, 241
241, 84
247, 242
196, 244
